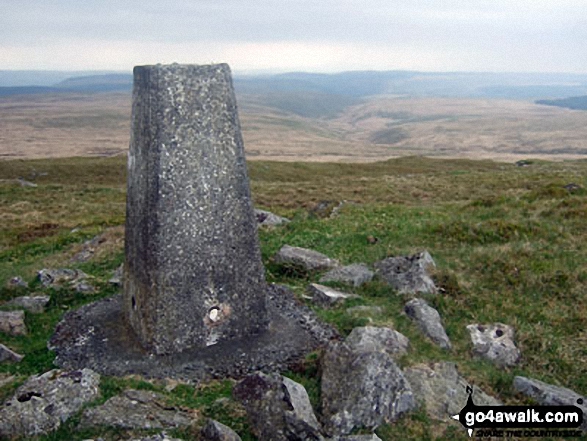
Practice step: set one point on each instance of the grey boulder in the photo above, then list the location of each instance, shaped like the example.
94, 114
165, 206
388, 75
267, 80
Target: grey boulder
361, 386
303, 259
45, 401
215, 431
378, 339
137, 409
34, 304
355, 274
12, 322
550, 395
495, 342
442, 391
428, 320
326, 296
408, 274
278, 408
17, 282
7, 354
268, 219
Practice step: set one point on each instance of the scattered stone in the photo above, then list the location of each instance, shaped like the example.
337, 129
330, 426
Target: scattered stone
137, 409
408, 274
34, 304
117, 277
12, 322
495, 342
324, 209
159, 437
572, 187
83, 287
362, 310
45, 401
371, 338
523, 163
361, 387
215, 431
371, 437
25, 183
303, 259
17, 282
268, 219
442, 390
550, 395
428, 320
7, 354
355, 274
372, 240
326, 296
89, 248
57, 277
278, 408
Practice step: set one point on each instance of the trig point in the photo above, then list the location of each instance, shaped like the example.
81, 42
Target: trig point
193, 271
195, 304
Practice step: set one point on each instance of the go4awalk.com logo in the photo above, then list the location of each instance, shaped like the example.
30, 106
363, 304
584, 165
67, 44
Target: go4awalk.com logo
520, 421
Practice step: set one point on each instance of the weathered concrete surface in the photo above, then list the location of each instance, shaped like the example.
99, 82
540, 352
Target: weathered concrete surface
98, 336
193, 272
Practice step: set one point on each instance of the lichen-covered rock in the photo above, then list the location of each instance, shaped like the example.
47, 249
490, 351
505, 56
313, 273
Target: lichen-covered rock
56, 277
550, 395
17, 282
355, 274
34, 304
159, 437
215, 431
7, 354
408, 274
495, 342
268, 219
45, 401
326, 296
428, 320
361, 387
372, 338
137, 409
278, 408
442, 390
12, 322
303, 259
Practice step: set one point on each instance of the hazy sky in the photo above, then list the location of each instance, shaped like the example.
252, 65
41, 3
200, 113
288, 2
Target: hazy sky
287, 35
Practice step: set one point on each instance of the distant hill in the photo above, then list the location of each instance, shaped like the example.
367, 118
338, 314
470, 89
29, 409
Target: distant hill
574, 102
97, 83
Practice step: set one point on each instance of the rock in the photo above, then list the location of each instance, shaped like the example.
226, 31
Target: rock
25, 183
361, 386
7, 354
6, 379
56, 277
495, 342
364, 310
12, 322
408, 274
550, 395
278, 408
215, 431
371, 437
303, 259
268, 219
83, 288
117, 277
33, 304
523, 163
45, 401
572, 187
159, 437
355, 274
324, 209
17, 282
89, 247
371, 338
442, 390
326, 296
428, 320
137, 409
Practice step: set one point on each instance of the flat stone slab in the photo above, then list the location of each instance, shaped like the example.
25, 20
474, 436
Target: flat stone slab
98, 336
12, 322
495, 342
303, 259
7, 354
428, 320
408, 274
326, 296
355, 274
34, 304
268, 219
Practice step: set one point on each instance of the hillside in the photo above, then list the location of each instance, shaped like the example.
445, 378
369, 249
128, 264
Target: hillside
575, 102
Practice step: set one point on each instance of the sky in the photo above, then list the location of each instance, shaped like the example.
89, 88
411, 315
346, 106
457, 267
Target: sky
256, 36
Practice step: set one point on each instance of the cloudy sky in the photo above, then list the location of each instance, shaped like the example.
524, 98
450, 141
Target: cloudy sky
301, 35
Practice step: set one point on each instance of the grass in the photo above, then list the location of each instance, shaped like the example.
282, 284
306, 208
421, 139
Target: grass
509, 243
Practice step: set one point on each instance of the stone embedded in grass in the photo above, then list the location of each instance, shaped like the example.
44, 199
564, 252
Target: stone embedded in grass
326, 296
7, 354
117, 277
17, 282
46, 401
215, 431
137, 409
373, 338
408, 274
549, 395
303, 259
12, 322
278, 408
159, 437
34, 304
365, 310
268, 219
495, 342
361, 385
428, 320
371, 437
355, 274
57, 277
442, 390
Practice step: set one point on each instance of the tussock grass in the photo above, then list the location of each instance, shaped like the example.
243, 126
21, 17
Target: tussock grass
509, 244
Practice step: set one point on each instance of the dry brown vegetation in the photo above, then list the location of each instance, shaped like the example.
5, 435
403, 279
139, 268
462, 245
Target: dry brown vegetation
63, 125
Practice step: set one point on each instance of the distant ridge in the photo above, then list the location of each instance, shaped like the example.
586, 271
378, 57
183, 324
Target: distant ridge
574, 102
